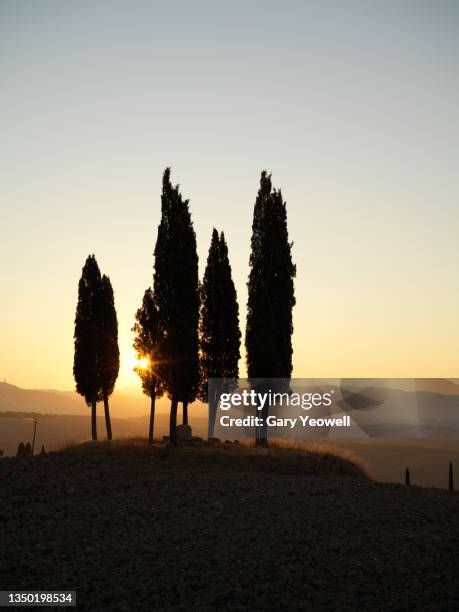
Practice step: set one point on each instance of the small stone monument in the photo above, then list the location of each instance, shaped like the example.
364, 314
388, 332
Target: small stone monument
183, 433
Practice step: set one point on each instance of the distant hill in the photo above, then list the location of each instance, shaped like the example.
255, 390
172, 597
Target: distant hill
441, 386
16, 399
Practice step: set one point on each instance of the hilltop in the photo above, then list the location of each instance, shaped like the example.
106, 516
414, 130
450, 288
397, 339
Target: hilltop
213, 529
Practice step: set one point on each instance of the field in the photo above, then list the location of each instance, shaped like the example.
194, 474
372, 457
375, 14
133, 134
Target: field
225, 528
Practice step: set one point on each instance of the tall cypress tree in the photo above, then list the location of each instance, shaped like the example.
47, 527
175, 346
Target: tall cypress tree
177, 299
220, 337
271, 294
109, 350
148, 344
86, 364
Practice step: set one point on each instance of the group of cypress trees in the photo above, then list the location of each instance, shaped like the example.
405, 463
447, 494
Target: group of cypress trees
96, 357
188, 332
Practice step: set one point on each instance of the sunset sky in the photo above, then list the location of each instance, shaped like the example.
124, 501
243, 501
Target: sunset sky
353, 107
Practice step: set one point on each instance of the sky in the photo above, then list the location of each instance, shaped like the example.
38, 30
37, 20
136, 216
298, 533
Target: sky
354, 108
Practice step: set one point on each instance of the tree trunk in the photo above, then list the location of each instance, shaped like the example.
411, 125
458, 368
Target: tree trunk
213, 401
94, 419
173, 422
152, 419
185, 413
107, 417
261, 432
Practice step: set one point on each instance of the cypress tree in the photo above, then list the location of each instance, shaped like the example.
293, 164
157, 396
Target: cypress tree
86, 364
21, 450
147, 344
220, 336
109, 351
177, 299
270, 295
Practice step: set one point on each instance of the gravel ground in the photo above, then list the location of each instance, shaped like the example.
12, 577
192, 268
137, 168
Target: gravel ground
141, 533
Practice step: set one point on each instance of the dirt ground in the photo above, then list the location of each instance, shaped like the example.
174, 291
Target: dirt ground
134, 532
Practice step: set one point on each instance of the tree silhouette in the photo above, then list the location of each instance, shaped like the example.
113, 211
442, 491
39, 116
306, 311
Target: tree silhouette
270, 294
177, 299
109, 352
220, 336
86, 364
147, 344
20, 450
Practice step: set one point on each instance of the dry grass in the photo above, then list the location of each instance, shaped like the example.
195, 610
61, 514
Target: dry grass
64, 445
281, 457
321, 458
